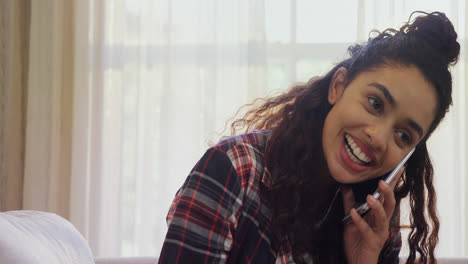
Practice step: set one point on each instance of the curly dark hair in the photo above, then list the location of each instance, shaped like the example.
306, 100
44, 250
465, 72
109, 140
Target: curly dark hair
295, 121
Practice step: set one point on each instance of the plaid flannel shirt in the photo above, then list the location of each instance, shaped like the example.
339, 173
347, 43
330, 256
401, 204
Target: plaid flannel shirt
219, 215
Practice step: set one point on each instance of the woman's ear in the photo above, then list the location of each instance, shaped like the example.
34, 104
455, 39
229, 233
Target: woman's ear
337, 85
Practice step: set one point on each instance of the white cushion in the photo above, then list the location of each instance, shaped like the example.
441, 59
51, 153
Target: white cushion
40, 237
127, 260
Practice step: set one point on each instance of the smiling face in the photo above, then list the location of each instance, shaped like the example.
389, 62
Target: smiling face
375, 120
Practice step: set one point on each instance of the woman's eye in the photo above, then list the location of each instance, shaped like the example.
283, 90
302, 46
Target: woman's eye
375, 103
404, 137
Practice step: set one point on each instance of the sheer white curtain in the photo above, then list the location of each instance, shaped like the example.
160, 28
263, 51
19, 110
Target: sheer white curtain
47, 99
156, 80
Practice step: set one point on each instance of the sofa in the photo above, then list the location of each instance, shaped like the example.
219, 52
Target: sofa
39, 237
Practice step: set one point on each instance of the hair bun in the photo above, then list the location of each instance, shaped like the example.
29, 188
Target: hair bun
437, 30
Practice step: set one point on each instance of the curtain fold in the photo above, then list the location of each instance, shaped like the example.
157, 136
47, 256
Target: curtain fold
14, 40
49, 108
95, 195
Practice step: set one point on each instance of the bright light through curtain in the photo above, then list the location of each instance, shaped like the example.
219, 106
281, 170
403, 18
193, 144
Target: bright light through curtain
159, 79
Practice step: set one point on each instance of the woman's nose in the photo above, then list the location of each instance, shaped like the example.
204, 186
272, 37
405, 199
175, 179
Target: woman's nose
378, 136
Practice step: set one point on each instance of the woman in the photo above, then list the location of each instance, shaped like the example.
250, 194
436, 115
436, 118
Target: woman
278, 193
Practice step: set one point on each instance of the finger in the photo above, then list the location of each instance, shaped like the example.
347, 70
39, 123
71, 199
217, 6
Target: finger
381, 199
381, 218
395, 180
361, 225
348, 198
387, 191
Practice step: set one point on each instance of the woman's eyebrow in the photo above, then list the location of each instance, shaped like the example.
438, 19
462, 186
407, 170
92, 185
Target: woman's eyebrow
415, 126
393, 103
385, 92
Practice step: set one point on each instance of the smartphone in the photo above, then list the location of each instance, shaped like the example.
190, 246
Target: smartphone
364, 207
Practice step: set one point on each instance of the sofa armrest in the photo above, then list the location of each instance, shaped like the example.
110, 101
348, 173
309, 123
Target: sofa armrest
29, 237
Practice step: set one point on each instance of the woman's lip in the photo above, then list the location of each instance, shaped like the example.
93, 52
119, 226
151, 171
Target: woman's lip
347, 160
364, 148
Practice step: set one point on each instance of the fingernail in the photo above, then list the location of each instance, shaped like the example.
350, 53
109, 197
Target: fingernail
384, 183
372, 199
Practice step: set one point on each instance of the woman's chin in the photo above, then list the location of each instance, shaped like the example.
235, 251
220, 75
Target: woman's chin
342, 176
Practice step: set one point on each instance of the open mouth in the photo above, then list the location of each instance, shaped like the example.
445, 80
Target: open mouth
355, 153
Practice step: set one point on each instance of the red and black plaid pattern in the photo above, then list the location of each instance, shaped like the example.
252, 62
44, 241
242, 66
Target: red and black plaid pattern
219, 215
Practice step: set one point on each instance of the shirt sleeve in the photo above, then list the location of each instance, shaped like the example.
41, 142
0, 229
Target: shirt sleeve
203, 216
390, 252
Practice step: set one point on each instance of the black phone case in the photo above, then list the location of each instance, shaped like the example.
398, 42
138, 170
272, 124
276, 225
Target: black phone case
361, 190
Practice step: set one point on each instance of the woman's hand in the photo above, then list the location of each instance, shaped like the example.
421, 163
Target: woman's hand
365, 237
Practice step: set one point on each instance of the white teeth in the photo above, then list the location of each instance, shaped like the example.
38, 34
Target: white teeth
352, 156
363, 157
356, 151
